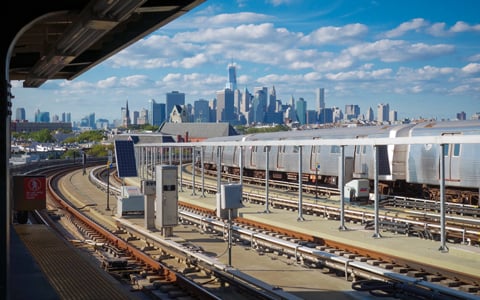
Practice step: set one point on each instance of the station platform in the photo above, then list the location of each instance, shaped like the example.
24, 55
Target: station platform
44, 266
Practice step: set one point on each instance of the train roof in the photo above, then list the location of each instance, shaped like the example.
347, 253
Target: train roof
446, 127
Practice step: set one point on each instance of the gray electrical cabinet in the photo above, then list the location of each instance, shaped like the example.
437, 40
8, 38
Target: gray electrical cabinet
167, 196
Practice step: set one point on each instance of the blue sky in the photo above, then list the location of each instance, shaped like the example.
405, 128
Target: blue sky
421, 57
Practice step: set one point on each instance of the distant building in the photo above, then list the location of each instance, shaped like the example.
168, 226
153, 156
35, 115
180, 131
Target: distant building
325, 116
126, 121
20, 114
301, 111
369, 115
173, 98
461, 116
28, 127
197, 132
156, 113
352, 111
201, 111
232, 77
225, 106
143, 117
383, 111
179, 114
42, 117
393, 116
319, 99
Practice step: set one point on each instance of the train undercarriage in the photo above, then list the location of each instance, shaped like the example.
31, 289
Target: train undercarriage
398, 188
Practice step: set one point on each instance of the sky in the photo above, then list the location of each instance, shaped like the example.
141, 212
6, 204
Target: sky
421, 57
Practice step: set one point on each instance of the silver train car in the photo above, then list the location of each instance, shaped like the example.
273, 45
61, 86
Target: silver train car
411, 170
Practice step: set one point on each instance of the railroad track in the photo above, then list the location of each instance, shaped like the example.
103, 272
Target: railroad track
388, 272
154, 266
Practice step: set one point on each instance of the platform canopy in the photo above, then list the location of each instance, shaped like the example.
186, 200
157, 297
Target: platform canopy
63, 39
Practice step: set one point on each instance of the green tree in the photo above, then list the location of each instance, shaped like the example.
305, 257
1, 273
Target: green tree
42, 136
100, 150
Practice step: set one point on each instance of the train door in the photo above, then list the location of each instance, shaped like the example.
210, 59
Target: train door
235, 152
361, 162
253, 156
314, 156
281, 157
451, 152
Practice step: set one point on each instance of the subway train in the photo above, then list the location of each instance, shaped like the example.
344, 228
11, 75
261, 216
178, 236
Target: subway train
409, 170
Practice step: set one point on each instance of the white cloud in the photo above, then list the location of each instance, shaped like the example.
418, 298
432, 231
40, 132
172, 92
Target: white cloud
107, 83
133, 81
471, 68
461, 26
397, 50
331, 34
412, 25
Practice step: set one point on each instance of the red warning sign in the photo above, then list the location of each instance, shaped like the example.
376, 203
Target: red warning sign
34, 188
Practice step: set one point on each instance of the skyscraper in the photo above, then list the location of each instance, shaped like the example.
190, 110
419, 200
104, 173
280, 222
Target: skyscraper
320, 99
301, 111
173, 98
352, 111
126, 121
201, 111
232, 77
225, 106
156, 113
20, 114
382, 112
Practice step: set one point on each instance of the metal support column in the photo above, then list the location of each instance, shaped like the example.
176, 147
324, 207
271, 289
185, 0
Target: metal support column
202, 161
193, 171
267, 162
300, 188
443, 246
181, 169
341, 186
376, 195
219, 168
241, 164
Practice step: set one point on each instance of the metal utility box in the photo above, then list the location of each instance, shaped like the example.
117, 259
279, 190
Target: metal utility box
231, 196
30, 192
357, 189
131, 201
167, 196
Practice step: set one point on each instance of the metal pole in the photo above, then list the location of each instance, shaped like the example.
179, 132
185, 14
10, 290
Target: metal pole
316, 182
376, 196
241, 164
193, 171
341, 184
202, 156
300, 188
443, 246
267, 152
230, 237
219, 168
108, 186
181, 169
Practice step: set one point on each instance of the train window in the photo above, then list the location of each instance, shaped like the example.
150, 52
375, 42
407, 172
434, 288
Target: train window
335, 149
364, 149
445, 150
295, 149
456, 149
358, 149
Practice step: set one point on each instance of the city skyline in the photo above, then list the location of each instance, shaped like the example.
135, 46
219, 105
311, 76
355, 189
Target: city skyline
422, 59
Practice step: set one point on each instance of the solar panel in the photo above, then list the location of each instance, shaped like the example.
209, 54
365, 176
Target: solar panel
125, 157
